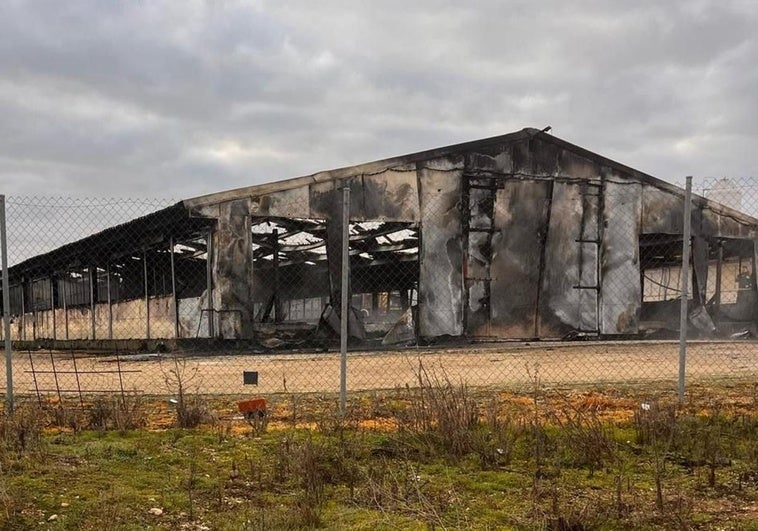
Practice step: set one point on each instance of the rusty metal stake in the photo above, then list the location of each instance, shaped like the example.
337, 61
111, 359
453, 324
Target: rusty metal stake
34, 377
120, 378
55, 375
76, 374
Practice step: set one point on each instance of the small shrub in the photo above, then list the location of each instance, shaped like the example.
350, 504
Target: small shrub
22, 431
655, 425
443, 415
587, 440
396, 486
191, 409
495, 442
654, 422
67, 416
122, 413
282, 462
311, 468
707, 441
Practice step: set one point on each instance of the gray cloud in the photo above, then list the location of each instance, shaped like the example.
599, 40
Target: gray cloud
175, 99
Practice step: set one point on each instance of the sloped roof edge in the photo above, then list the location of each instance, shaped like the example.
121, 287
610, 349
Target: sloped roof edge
382, 164
116, 238
347, 171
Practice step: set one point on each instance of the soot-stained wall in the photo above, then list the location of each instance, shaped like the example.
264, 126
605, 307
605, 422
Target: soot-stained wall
526, 237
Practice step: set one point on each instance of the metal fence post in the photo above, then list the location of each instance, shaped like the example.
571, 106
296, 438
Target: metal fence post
110, 301
686, 224
92, 297
174, 300
345, 296
147, 295
6, 312
209, 284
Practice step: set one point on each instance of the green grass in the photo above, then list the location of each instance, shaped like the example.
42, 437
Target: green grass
343, 476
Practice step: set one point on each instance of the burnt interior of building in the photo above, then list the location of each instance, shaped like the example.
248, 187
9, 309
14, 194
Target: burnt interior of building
721, 284
152, 258
292, 290
160, 255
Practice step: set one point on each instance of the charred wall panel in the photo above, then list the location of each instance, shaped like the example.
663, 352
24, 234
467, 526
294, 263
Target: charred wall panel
521, 153
545, 157
233, 268
321, 199
661, 211
496, 159
715, 223
576, 166
477, 230
477, 278
334, 229
440, 253
589, 257
620, 278
391, 195
294, 203
521, 219
569, 263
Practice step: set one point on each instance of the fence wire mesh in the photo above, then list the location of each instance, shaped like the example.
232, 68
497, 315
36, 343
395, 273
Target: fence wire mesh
490, 280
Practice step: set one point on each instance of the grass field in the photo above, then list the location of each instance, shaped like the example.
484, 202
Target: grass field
435, 455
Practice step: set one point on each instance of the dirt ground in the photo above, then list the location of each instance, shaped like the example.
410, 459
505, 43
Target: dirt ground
513, 365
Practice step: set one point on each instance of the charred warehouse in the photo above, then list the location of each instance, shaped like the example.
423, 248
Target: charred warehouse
519, 236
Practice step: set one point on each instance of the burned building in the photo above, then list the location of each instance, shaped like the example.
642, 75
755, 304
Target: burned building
518, 236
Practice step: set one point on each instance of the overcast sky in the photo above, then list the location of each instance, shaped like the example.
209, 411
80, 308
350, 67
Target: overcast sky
177, 99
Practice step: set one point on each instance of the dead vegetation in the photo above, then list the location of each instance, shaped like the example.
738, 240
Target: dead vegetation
439, 454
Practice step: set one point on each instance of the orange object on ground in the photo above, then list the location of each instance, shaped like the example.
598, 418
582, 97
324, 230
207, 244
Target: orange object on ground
252, 406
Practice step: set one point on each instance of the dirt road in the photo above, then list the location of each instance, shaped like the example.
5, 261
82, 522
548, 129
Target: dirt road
511, 364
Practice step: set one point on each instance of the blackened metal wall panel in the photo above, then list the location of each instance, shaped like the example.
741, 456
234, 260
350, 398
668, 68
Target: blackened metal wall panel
477, 284
389, 196
496, 159
478, 222
661, 211
521, 219
621, 289
568, 301
293, 203
233, 269
441, 253
589, 257
716, 224
321, 199
578, 167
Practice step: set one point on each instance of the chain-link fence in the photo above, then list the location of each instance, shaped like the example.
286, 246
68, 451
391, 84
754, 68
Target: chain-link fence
493, 280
